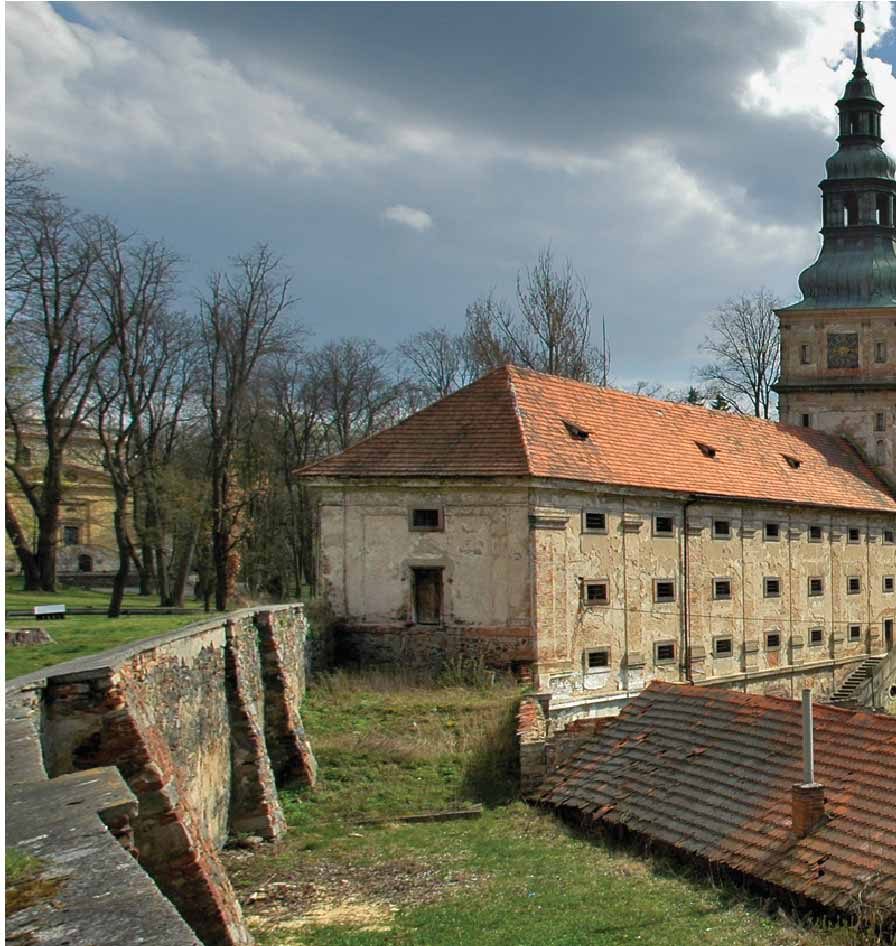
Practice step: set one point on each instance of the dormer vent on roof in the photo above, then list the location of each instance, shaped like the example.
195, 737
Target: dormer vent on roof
706, 450
576, 432
792, 462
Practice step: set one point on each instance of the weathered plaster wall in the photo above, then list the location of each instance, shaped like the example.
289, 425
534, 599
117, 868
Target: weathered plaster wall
202, 724
367, 552
630, 556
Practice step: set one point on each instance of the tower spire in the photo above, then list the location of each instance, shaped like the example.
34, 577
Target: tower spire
859, 28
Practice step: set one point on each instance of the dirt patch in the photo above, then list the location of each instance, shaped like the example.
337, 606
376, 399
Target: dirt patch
345, 894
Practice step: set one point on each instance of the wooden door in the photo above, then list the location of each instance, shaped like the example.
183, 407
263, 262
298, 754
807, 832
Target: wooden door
428, 595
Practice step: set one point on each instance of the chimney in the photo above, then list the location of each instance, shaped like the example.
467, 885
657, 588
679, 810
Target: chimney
807, 797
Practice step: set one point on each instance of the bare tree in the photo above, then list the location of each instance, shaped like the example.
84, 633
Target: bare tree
133, 287
439, 362
744, 344
242, 318
55, 344
358, 396
550, 331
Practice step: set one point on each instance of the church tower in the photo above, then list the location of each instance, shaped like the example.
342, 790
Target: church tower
838, 344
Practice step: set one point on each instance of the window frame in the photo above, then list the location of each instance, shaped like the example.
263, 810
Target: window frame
850, 590
771, 538
765, 592
769, 635
715, 590
721, 639
849, 535
665, 581
440, 519
722, 535
665, 661
853, 637
65, 531
589, 530
663, 535
820, 641
586, 582
880, 352
820, 536
810, 592
888, 537
892, 580
586, 659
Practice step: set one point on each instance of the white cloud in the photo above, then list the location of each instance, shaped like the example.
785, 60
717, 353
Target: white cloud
811, 76
408, 216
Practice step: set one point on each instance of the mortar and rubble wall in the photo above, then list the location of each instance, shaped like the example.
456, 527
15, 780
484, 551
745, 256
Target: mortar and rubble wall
131, 768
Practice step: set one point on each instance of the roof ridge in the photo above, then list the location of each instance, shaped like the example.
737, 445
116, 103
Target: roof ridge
518, 417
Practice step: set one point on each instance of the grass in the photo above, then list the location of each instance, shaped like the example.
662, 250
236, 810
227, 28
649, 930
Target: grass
25, 885
387, 745
77, 636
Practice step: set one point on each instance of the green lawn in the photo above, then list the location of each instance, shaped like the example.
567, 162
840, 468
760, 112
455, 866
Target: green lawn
515, 877
79, 635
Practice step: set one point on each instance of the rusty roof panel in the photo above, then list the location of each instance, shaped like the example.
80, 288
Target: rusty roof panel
710, 772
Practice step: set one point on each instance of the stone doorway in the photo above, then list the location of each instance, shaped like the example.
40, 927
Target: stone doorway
427, 595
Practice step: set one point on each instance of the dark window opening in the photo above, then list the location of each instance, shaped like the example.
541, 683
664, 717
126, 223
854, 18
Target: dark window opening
427, 595
816, 587
596, 592
721, 528
851, 210
853, 536
888, 633
85, 563
772, 530
814, 533
805, 420
706, 450
889, 583
804, 354
880, 353
816, 636
772, 587
71, 535
855, 632
574, 431
882, 209
595, 522
426, 519
773, 640
879, 422
889, 537
792, 462
853, 586
723, 647
664, 590
663, 525
598, 659
722, 588
664, 653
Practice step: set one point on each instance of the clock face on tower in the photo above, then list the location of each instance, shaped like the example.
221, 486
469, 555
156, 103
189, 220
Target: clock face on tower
843, 350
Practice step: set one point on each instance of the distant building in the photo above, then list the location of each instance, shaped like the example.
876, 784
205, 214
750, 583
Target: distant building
87, 546
606, 539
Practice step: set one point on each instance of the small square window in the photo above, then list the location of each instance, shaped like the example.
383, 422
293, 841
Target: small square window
816, 587
853, 536
663, 590
816, 636
594, 521
721, 528
853, 586
889, 584
664, 652
880, 353
815, 534
721, 588
596, 593
772, 587
723, 647
889, 537
426, 520
855, 632
663, 525
71, 535
773, 640
598, 659
772, 531
805, 420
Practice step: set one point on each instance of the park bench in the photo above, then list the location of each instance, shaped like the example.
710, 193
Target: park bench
49, 612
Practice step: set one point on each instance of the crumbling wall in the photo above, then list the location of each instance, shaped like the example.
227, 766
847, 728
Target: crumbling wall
202, 724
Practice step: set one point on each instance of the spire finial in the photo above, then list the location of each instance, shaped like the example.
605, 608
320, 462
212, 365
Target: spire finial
860, 28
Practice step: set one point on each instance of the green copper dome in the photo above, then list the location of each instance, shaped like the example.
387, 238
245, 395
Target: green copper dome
856, 267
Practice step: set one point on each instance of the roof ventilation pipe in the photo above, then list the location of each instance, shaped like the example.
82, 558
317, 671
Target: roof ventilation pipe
808, 796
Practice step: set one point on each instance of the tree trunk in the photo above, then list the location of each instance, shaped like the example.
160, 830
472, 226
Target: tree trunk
26, 557
161, 572
220, 538
183, 561
48, 522
124, 553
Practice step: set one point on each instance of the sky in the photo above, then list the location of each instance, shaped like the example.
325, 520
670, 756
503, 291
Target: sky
405, 159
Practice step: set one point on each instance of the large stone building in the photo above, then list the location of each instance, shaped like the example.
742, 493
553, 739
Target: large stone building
607, 539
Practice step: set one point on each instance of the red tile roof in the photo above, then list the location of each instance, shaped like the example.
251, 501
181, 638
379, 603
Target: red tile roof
515, 422
710, 772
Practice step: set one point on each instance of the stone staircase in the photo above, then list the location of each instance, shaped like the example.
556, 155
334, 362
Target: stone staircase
845, 695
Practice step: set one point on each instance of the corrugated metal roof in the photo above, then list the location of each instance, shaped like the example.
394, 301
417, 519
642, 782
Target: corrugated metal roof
710, 772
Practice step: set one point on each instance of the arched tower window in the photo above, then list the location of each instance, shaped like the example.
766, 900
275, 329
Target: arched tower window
851, 210
884, 217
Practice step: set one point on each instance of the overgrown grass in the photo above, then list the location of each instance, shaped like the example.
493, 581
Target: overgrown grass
77, 636
25, 885
389, 744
